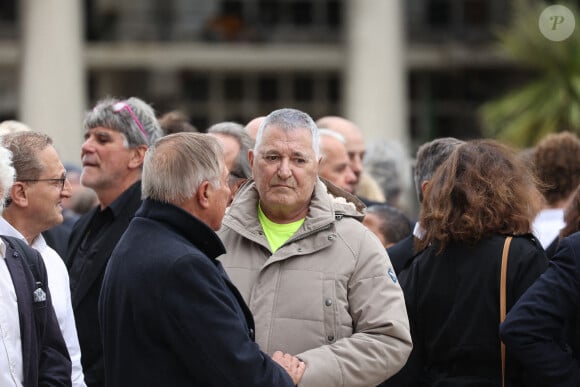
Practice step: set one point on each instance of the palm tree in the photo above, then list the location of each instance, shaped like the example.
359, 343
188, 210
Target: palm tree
551, 102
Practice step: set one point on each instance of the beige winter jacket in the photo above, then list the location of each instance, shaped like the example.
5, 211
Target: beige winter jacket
329, 295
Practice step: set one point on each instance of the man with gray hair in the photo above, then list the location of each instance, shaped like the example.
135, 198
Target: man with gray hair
365, 186
194, 328
429, 157
318, 282
33, 349
334, 162
117, 135
236, 143
34, 206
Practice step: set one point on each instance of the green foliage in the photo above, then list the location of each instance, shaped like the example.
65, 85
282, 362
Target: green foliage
548, 104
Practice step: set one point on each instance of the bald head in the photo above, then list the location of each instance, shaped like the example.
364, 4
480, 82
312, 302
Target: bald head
253, 126
355, 144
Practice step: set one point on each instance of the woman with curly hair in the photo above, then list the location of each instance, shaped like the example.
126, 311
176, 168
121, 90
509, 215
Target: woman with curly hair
479, 196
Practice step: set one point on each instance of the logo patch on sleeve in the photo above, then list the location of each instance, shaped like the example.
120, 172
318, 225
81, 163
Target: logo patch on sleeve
392, 274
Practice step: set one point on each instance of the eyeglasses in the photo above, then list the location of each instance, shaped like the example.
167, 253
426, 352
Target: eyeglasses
119, 106
60, 181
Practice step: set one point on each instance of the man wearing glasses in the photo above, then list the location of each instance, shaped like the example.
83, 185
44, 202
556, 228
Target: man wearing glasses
236, 143
33, 206
117, 134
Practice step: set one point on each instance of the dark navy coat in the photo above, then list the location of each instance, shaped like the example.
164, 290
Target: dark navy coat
542, 329
44, 354
168, 313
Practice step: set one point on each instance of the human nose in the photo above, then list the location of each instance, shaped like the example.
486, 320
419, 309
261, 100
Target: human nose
350, 176
284, 170
356, 165
66, 190
88, 145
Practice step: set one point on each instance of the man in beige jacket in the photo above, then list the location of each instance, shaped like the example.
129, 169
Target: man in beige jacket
319, 284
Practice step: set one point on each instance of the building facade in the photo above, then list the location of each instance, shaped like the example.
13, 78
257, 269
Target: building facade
407, 71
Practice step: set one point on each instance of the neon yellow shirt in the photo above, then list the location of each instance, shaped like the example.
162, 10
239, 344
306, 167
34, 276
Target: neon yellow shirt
277, 233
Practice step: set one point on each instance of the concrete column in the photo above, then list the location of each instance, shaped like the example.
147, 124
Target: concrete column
375, 74
52, 84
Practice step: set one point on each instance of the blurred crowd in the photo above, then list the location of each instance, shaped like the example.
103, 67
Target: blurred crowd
285, 251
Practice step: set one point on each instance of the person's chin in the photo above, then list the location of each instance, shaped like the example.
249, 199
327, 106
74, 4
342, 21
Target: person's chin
89, 179
57, 220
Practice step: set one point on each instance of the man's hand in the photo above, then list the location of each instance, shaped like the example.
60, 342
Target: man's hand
294, 366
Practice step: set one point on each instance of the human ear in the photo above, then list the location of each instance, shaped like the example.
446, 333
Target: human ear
251, 157
137, 156
424, 185
18, 194
203, 194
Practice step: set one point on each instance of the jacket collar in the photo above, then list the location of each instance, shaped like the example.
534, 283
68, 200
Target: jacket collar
192, 228
338, 192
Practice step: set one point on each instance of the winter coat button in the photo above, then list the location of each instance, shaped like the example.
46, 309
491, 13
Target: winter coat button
330, 338
331, 237
300, 249
328, 302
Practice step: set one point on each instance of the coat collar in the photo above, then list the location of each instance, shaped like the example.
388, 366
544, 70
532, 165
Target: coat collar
192, 228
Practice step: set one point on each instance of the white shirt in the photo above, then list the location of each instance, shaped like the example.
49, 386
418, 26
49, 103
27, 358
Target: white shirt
418, 231
59, 286
547, 225
11, 373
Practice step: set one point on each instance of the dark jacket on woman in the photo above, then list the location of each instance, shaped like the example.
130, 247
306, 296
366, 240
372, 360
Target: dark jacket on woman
542, 329
169, 314
453, 305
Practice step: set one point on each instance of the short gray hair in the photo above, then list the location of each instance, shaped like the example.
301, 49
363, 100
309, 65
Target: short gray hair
289, 119
237, 132
7, 174
25, 148
329, 133
133, 118
429, 157
177, 164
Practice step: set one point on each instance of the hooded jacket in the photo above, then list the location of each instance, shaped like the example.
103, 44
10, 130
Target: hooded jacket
328, 295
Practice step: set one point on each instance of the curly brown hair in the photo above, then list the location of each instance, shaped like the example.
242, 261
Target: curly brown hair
556, 161
484, 188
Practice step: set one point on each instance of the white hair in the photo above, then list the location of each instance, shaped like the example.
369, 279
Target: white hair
7, 174
333, 134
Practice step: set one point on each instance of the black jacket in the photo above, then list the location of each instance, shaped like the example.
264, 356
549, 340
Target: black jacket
542, 329
402, 253
453, 305
87, 285
44, 354
170, 315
